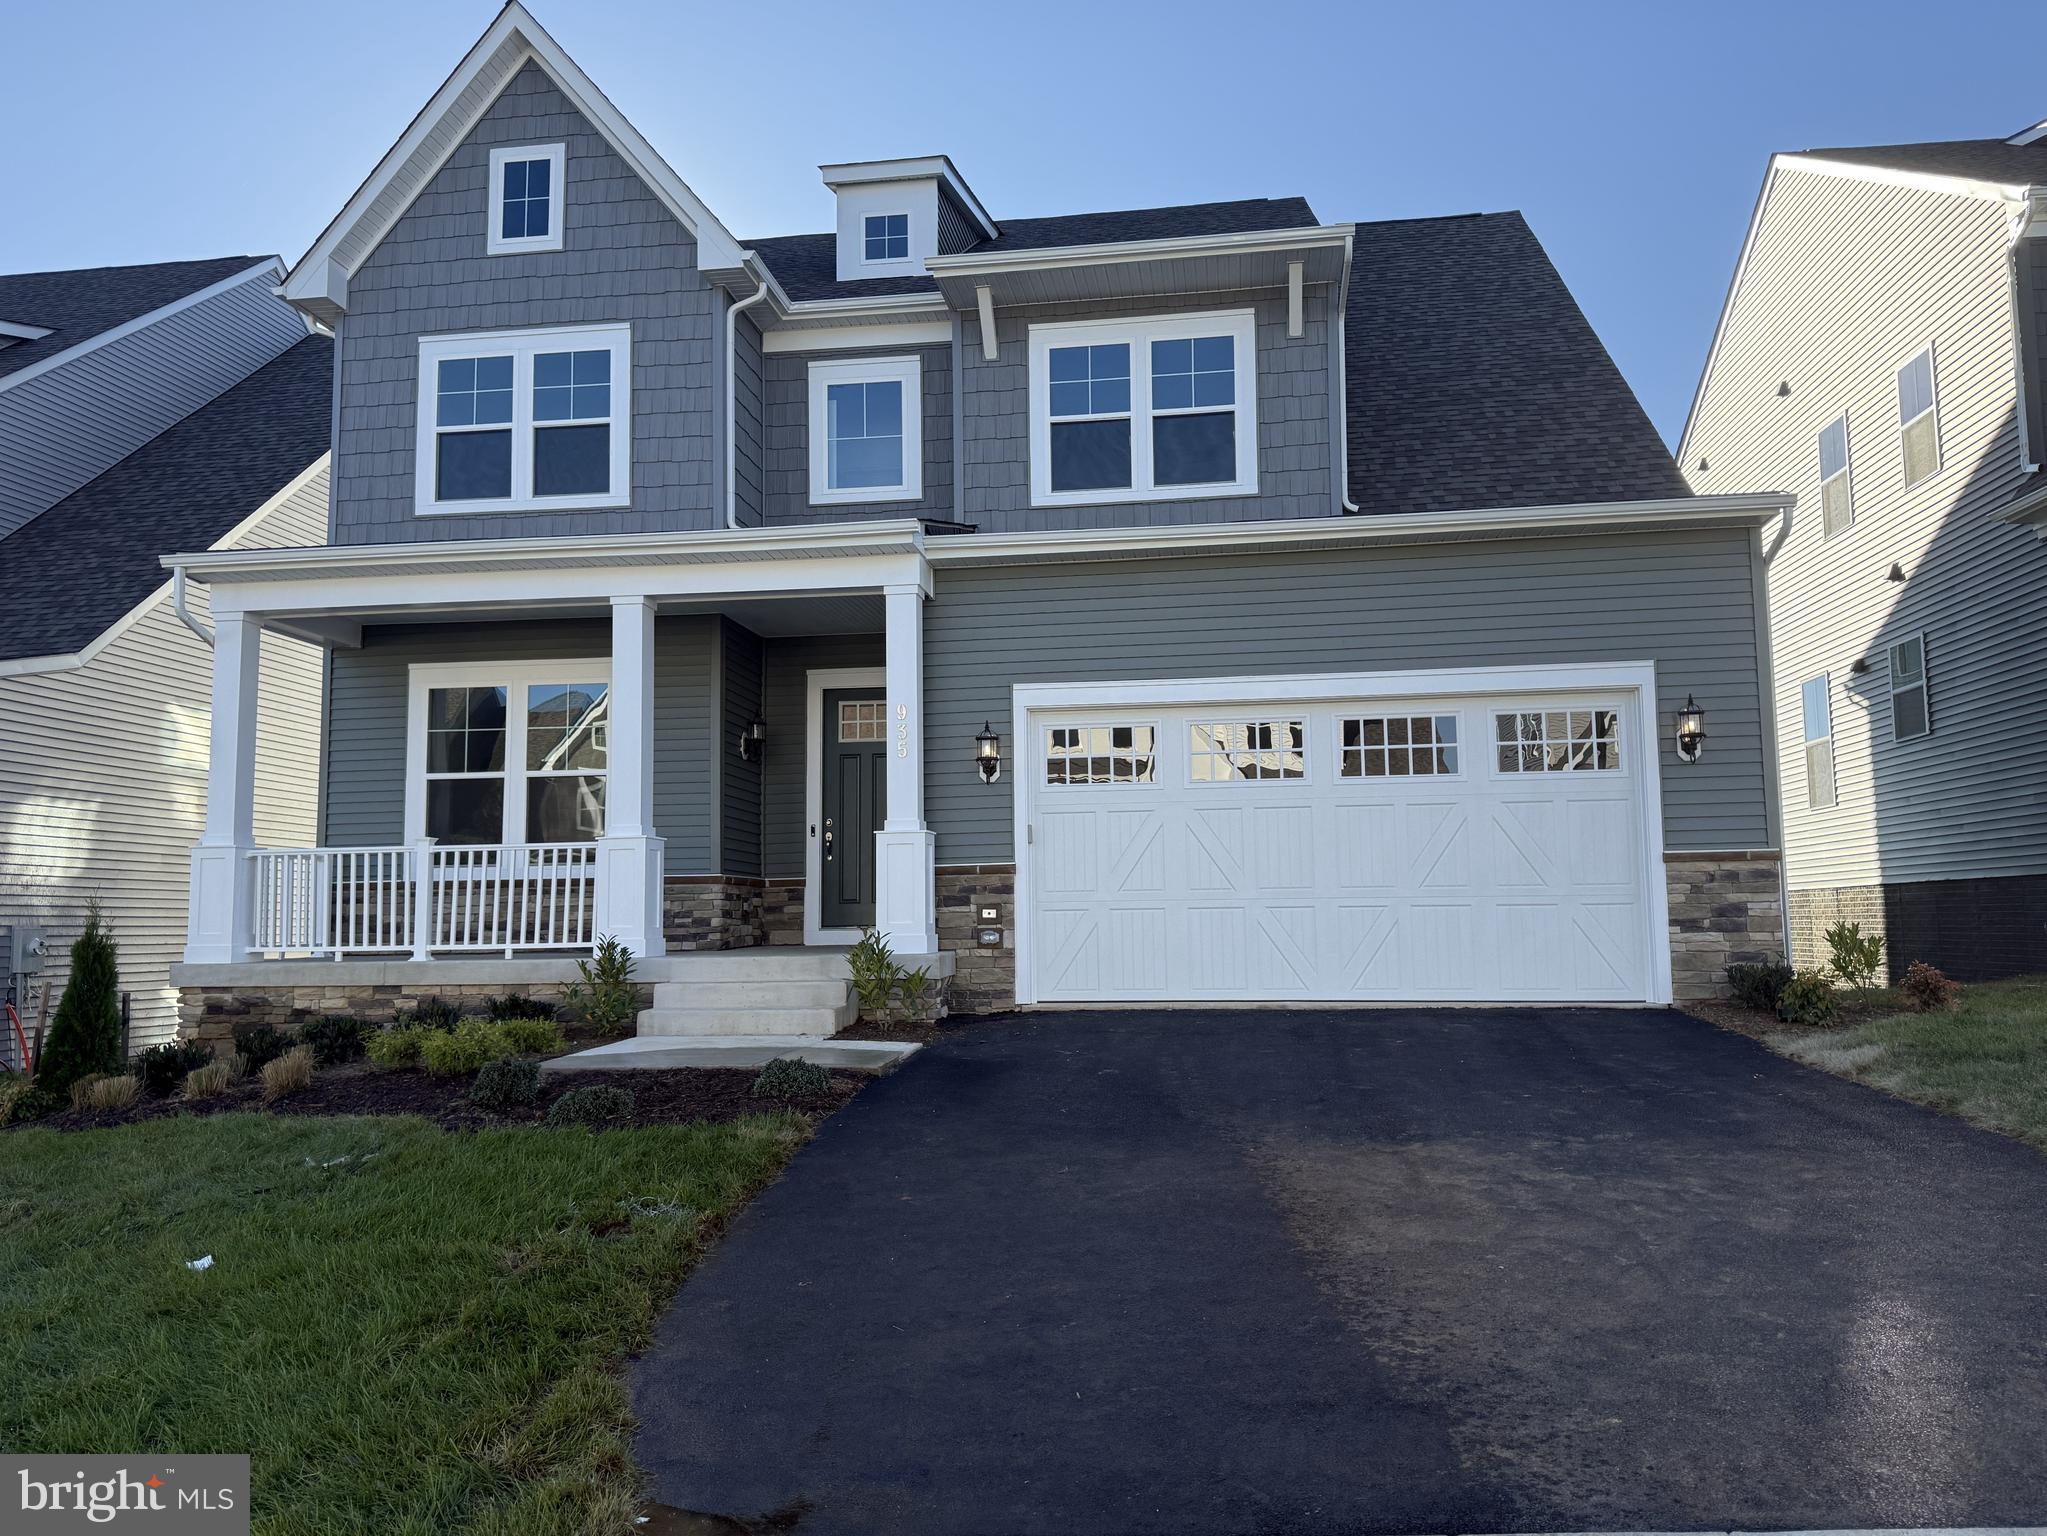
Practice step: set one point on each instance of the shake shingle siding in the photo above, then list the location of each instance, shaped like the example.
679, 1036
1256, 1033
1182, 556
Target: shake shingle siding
750, 449
956, 231
625, 258
788, 438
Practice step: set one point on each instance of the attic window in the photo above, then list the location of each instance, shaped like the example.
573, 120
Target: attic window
525, 200
887, 237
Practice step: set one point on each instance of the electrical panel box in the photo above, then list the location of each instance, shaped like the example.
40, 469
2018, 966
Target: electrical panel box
25, 949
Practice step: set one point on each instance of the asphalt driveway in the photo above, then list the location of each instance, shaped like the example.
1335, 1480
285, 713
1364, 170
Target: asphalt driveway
1313, 1271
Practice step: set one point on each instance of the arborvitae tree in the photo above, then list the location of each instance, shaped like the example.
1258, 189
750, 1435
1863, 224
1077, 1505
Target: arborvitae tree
85, 1037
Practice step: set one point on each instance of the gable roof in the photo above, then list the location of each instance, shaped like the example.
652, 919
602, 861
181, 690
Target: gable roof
1993, 160
68, 574
76, 306
1476, 381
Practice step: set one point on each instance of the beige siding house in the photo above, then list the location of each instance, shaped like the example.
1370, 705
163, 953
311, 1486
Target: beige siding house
1875, 357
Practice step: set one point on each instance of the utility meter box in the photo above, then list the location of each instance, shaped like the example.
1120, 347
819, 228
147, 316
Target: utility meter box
25, 949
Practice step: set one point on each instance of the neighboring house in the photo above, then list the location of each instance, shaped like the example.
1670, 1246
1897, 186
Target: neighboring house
175, 406
1883, 353
1193, 604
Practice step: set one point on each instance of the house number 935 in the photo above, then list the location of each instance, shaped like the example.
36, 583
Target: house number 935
902, 730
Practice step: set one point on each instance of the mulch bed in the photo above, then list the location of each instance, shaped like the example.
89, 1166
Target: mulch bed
661, 1096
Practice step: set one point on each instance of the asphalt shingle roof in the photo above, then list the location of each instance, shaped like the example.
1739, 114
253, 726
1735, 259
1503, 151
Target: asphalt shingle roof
77, 306
1974, 159
1476, 381
75, 569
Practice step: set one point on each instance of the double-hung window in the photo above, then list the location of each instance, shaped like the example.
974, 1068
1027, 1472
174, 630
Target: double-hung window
1918, 418
525, 200
1910, 716
1132, 410
866, 430
509, 753
1818, 710
1837, 492
885, 237
525, 421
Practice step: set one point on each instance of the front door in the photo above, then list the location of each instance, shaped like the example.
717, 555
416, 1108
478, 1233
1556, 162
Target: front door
855, 779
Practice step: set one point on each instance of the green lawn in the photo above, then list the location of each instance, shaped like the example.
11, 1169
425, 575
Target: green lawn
1986, 1061
408, 1330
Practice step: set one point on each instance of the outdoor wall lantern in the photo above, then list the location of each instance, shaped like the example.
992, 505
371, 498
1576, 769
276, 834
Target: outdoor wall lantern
752, 737
1691, 731
988, 753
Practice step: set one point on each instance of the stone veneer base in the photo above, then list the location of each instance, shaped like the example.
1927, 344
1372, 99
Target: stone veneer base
1725, 909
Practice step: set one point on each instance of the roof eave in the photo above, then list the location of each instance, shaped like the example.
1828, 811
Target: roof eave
1926, 181
1186, 247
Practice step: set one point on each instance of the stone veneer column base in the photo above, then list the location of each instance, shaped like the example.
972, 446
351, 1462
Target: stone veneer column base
212, 1014
712, 911
983, 980
1975, 930
782, 912
1725, 909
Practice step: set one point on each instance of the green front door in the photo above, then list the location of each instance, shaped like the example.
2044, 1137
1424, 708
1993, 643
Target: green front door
855, 793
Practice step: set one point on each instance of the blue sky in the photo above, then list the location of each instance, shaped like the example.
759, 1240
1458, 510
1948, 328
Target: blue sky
1633, 136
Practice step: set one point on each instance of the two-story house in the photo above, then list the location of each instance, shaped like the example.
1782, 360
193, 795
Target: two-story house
175, 405
1883, 353
1193, 604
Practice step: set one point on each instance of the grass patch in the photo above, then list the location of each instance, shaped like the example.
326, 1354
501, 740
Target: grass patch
408, 1330
1985, 1061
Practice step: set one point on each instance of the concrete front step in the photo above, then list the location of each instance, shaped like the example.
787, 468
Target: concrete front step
751, 992
769, 963
748, 1021
648, 1051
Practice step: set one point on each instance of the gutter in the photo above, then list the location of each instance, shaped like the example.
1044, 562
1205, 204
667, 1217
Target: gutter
185, 614
732, 401
1040, 258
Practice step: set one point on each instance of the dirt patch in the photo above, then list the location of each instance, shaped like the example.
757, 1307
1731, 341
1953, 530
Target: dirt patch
1773, 1031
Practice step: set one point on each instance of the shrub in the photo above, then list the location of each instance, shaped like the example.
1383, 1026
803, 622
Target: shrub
605, 994
259, 1044
1808, 998
514, 1005
1857, 960
791, 1077
33, 1102
397, 1046
335, 1038
1758, 986
162, 1067
463, 1049
531, 1037
1928, 989
85, 1037
507, 1084
116, 1090
288, 1073
432, 1013
875, 973
593, 1107
209, 1081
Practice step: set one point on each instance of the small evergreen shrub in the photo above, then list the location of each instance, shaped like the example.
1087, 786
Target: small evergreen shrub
209, 1081
432, 1013
1858, 961
1928, 989
260, 1044
162, 1067
397, 1046
514, 1005
335, 1038
791, 1077
531, 1037
450, 1053
85, 1037
1758, 986
1808, 999
507, 1084
593, 1107
287, 1074
605, 995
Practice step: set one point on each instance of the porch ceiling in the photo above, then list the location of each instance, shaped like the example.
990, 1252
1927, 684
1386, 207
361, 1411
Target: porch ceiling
772, 618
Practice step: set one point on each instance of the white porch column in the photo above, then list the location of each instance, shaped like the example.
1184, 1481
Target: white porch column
629, 855
905, 907
218, 922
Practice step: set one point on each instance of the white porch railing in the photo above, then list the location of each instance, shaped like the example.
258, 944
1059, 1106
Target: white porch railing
494, 898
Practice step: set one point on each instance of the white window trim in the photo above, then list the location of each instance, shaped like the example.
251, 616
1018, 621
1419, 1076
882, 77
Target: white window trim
1253, 716
1338, 776
1241, 325
1807, 743
494, 242
1932, 409
1923, 683
1847, 472
1509, 776
515, 678
522, 346
906, 371
1154, 723
909, 236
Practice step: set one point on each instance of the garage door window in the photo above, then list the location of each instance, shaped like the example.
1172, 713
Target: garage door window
1398, 746
1558, 741
1101, 754
1233, 751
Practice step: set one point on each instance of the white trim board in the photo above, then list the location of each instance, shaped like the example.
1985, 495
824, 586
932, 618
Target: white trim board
815, 684
907, 374
1636, 679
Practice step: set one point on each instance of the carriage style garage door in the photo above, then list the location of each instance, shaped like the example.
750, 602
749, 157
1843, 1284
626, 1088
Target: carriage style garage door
1474, 847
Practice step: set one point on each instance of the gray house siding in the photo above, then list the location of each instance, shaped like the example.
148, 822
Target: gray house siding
787, 393
956, 232
625, 258
741, 659
1295, 462
2031, 259
62, 427
750, 449
784, 707
1682, 600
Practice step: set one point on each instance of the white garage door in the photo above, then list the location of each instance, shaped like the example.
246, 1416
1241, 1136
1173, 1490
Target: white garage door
1469, 849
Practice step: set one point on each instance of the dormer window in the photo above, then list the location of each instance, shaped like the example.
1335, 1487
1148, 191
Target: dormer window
887, 237
525, 199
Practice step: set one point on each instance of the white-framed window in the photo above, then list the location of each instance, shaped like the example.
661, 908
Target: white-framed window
1230, 751
1918, 417
863, 720
1139, 410
1837, 491
866, 430
525, 421
1910, 716
885, 237
1817, 706
1108, 753
1396, 746
1576, 739
508, 753
525, 199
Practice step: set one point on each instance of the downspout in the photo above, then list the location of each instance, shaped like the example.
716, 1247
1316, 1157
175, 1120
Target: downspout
732, 401
178, 606
1343, 394
1766, 668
